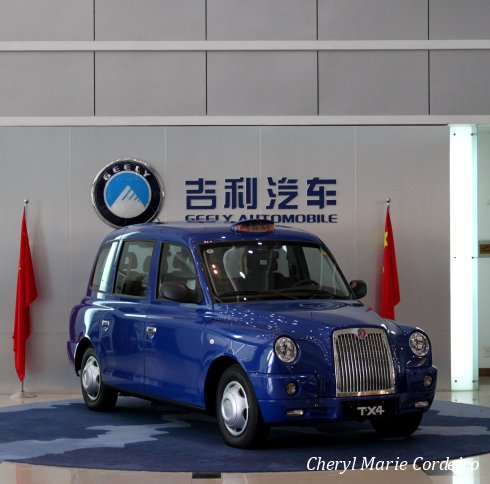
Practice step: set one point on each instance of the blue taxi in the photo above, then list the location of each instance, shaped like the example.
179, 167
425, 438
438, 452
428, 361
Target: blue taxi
253, 323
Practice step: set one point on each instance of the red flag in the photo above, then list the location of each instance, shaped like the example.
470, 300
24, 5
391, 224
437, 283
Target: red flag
26, 293
390, 291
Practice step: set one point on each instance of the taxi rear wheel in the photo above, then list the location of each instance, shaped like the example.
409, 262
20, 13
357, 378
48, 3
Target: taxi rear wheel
398, 426
96, 394
237, 410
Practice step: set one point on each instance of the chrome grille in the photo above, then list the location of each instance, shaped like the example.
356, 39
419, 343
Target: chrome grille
363, 362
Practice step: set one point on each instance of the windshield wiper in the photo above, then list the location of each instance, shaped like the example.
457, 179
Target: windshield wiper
311, 293
258, 294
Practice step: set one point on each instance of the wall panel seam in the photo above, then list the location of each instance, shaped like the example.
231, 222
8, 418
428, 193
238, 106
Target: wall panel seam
280, 120
206, 45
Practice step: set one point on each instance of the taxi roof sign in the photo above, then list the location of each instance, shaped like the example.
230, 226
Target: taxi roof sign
254, 227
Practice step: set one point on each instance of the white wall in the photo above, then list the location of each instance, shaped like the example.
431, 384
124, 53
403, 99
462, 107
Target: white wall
55, 168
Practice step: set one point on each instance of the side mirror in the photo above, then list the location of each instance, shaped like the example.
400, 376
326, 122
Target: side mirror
178, 291
359, 288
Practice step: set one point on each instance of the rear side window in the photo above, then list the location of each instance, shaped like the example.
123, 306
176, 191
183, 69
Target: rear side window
133, 268
102, 269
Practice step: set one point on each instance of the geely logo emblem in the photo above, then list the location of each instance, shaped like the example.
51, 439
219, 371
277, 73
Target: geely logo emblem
361, 333
127, 192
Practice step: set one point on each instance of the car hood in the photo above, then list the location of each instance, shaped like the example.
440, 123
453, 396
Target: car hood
303, 319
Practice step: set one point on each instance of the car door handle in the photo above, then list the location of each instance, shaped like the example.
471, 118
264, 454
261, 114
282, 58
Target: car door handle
105, 324
151, 331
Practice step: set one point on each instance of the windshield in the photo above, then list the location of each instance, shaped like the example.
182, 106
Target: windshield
272, 270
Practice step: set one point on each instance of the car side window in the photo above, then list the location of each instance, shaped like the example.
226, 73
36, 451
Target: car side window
133, 268
102, 268
176, 266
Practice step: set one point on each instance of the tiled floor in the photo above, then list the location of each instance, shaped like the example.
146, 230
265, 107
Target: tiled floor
474, 470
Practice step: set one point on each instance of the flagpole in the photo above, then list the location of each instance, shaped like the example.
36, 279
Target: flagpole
22, 393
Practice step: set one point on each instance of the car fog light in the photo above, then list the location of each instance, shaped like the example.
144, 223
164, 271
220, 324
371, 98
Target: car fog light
291, 388
423, 404
295, 413
427, 380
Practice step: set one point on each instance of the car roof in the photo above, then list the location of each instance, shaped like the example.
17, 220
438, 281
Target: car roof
199, 233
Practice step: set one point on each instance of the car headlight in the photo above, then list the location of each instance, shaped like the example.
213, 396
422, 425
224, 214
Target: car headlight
286, 349
419, 343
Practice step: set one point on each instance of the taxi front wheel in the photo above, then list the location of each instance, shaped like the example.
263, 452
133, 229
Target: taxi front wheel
96, 394
237, 410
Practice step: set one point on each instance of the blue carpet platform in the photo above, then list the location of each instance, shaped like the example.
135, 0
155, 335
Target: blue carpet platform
139, 436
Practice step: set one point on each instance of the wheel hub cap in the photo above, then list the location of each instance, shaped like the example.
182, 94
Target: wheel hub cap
91, 378
234, 408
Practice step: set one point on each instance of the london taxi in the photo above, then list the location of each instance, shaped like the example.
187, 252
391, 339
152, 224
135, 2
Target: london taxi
253, 323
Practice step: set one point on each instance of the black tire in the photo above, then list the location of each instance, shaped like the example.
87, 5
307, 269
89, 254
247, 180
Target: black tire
96, 394
237, 410
399, 426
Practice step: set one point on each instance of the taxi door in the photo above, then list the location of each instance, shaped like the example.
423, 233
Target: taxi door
122, 331
174, 329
